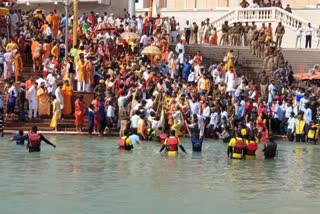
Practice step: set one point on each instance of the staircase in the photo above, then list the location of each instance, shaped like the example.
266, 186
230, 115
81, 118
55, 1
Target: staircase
43, 122
265, 15
248, 64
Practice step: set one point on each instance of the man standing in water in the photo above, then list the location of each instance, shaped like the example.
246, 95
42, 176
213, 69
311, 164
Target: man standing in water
34, 140
172, 143
195, 134
270, 149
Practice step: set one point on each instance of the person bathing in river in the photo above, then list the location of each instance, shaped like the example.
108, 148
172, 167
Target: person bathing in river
34, 140
194, 132
270, 149
172, 143
19, 138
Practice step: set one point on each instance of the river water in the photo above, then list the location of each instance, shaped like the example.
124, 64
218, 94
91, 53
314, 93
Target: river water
89, 175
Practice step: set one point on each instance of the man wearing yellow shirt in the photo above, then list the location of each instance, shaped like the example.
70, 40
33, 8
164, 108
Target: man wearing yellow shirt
12, 45
300, 124
55, 51
204, 85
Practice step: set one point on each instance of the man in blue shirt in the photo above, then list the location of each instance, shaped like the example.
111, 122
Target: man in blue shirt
186, 69
19, 138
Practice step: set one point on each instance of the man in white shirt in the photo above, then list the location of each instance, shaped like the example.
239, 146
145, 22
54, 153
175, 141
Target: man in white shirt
149, 106
271, 91
105, 17
254, 4
181, 57
145, 74
206, 113
32, 99
166, 25
179, 47
194, 107
144, 40
41, 80
140, 25
187, 29
52, 85
49, 32
309, 32
58, 94
291, 126
134, 120
299, 35
308, 114
12, 90
111, 19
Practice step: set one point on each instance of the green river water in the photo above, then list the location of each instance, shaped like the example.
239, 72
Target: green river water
90, 176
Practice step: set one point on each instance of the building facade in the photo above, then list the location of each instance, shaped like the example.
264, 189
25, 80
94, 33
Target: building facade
214, 4
99, 6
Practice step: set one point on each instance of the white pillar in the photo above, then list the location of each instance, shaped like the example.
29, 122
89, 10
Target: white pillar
132, 7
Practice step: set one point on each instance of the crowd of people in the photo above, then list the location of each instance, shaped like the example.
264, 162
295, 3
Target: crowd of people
149, 95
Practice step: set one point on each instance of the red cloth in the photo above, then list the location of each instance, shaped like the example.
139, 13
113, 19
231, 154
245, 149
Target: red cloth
79, 112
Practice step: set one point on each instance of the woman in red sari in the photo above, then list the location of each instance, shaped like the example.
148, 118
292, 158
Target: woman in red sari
261, 126
214, 37
80, 109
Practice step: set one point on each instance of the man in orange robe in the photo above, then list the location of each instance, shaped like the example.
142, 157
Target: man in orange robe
67, 91
55, 24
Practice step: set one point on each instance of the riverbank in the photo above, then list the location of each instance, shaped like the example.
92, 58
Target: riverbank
113, 134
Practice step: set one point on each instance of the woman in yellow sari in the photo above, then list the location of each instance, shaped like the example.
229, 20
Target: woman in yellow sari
56, 110
18, 66
229, 60
67, 92
43, 100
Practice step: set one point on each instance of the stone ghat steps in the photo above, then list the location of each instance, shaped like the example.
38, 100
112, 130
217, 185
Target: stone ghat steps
249, 64
304, 58
44, 121
296, 57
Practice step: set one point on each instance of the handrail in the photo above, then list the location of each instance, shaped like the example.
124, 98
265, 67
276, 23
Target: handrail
268, 14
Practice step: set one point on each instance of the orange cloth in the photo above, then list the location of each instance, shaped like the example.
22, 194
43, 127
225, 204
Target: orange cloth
43, 102
49, 18
67, 92
46, 50
79, 110
89, 79
55, 51
44, 28
96, 104
163, 45
28, 85
33, 47
18, 65
214, 39
81, 70
55, 24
